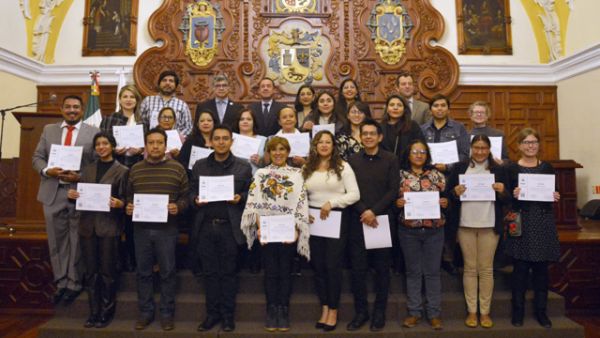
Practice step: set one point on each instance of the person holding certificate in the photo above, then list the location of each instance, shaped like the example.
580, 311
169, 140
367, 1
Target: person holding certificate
99, 231
331, 187
244, 125
216, 228
277, 190
304, 103
377, 177
200, 137
59, 213
538, 244
398, 128
286, 117
166, 121
442, 129
348, 140
324, 113
157, 178
422, 236
480, 227
129, 115
480, 112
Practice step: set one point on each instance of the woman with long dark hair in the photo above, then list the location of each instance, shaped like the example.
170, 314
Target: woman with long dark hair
325, 112
200, 137
347, 94
331, 185
99, 231
398, 128
480, 227
244, 125
304, 103
348, 141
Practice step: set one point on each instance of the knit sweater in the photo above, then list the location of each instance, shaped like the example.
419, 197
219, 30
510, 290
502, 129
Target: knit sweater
164, 177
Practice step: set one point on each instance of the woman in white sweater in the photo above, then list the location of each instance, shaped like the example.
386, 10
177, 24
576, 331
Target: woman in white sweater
331, 186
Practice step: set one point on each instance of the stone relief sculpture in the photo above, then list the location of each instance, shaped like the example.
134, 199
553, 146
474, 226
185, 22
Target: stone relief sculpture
41, 28
551, 27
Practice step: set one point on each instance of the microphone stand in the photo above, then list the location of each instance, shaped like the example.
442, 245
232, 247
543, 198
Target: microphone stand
5, 110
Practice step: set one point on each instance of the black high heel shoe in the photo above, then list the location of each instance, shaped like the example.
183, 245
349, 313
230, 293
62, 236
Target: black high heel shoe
319, 325
328, 328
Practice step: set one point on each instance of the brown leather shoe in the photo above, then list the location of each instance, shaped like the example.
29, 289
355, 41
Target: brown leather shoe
486, 321
471, 320
167, 323
142, 322
436, 323
410, 321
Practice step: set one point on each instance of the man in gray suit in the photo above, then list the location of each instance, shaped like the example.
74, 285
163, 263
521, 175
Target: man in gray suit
406, 87
61, 218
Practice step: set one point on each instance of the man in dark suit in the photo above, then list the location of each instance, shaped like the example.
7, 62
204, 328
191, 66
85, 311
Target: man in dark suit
217, 225
223, 109
61, 218
266, 110
406, 87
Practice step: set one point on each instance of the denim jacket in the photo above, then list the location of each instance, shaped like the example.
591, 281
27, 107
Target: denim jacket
453, 130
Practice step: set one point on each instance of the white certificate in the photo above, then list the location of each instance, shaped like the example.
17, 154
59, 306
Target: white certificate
93, 197
173, 140
150, 208
329, 227
65, 157
153, 119
129, 136
299, 143
479, 187
422, 205
537, 187
280, 228
215, 188
496, 142
198, 153
245, 146
444, 152
318, 127
380, 237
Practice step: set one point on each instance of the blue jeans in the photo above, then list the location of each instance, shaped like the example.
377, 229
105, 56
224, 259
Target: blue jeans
422, 249
150, 246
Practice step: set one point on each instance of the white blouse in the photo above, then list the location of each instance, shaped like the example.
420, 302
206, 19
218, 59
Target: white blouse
325, 187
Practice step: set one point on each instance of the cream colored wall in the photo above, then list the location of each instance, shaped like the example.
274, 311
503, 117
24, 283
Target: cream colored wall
584, 28
523, 40
16, 91
578, 120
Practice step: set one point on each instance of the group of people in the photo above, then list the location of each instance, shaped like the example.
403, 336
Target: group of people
362, 169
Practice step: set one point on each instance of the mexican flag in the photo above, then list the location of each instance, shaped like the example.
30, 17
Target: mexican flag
93, 116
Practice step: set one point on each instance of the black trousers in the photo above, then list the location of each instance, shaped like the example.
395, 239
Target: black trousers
277, 260
218, 252
540, 279
99, 256
360, 260
327, 256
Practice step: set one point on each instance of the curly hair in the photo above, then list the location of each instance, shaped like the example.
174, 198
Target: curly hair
312, 164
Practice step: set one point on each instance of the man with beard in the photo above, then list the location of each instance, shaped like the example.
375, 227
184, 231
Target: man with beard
60, 215
151, 105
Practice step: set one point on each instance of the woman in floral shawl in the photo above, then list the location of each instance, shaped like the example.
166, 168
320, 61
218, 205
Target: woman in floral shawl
277, 189
421, 240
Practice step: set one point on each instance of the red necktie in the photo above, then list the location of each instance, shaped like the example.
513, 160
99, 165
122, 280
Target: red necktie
69, 137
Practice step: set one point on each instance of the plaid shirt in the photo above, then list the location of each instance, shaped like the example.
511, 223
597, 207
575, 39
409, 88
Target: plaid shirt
151, 105
118, 119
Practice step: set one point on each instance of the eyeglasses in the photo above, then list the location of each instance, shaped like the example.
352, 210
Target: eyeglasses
167, 118
418, 152
530, 143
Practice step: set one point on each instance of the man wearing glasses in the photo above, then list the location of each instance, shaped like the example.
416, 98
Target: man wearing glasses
223, 109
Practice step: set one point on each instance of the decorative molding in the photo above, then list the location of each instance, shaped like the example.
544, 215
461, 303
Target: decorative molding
548, 74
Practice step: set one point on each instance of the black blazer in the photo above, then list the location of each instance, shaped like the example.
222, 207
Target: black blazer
503, 199
396, 141
267, 126
242, 173
233, 109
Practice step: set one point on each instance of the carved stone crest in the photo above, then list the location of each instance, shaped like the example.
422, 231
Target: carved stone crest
202, 27
390, 27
